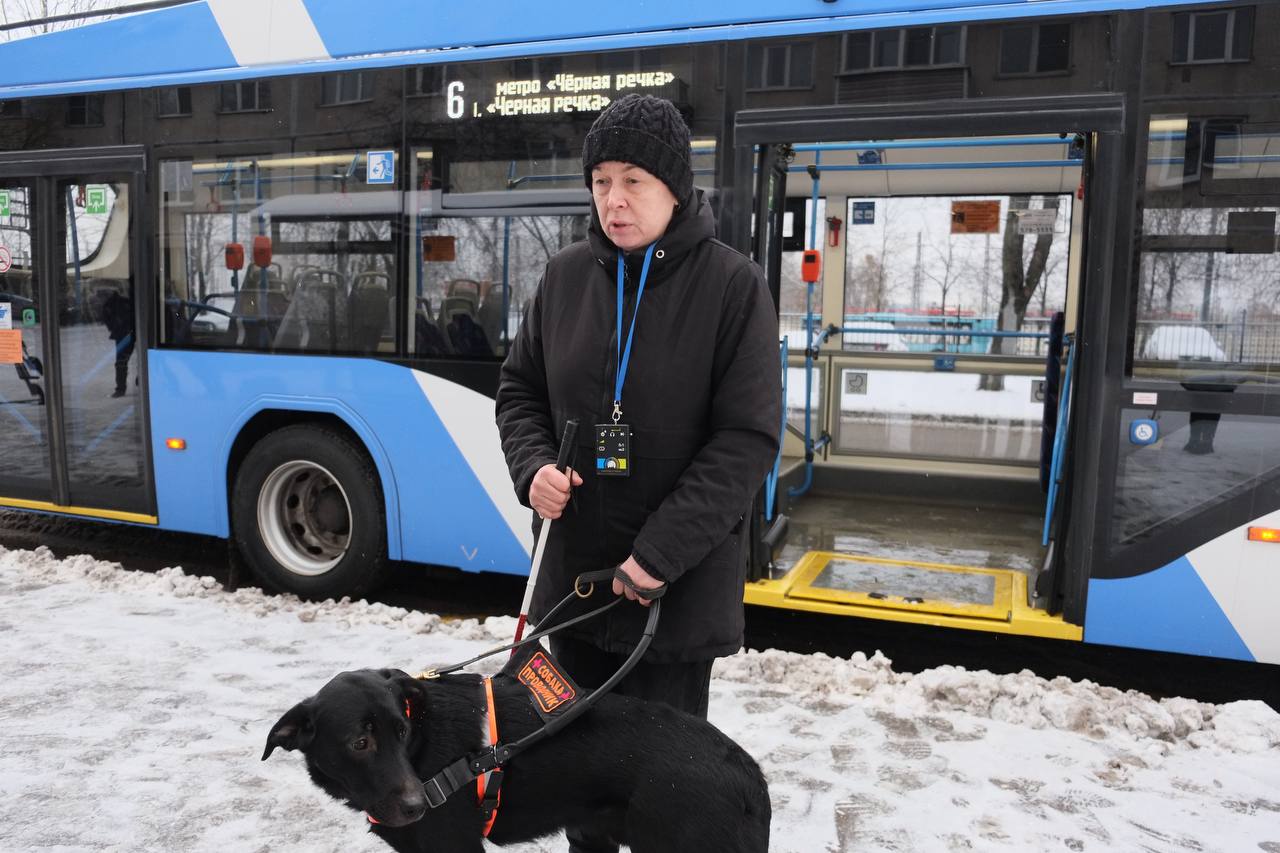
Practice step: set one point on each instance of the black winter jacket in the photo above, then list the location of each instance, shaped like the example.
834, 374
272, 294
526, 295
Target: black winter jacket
703, 399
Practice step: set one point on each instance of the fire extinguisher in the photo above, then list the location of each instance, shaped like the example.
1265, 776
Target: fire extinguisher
833, 230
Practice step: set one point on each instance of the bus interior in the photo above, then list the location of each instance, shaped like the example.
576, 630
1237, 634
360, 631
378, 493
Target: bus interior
917, 479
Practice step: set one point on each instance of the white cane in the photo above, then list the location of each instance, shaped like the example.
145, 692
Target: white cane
562, 462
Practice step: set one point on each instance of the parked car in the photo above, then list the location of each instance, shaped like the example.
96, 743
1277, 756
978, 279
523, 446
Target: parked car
1182, 343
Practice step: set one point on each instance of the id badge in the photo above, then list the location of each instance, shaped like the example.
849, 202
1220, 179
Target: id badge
613, 450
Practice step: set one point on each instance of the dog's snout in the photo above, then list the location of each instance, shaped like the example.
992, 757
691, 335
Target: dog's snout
413, 804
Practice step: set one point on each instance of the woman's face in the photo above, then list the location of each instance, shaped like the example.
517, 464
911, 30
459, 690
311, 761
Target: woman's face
634, 206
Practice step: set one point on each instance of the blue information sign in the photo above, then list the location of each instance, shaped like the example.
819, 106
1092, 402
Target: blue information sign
864, 213
381, 167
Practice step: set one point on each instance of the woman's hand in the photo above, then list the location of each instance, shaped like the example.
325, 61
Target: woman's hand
639, 577
549, 491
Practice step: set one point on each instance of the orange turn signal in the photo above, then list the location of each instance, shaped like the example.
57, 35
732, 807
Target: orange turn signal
175, 443
1264, 534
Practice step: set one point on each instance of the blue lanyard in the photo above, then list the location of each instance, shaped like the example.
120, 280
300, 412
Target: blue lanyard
625, 357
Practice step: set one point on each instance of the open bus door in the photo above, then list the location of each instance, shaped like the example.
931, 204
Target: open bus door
767, 526
72, 397
1189, 427
931, 481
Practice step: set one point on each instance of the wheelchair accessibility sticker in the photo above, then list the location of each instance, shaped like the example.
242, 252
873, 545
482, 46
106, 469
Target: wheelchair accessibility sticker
381, 167
6, 315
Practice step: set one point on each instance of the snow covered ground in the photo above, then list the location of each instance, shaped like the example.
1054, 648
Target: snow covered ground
135, 708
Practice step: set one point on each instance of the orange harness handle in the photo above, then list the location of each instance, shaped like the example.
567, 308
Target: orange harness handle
494, 776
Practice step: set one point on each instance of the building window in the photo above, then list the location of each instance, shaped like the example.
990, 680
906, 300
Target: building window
780, 66
11, 109
350, 87
175, 101
1035, 48
84, 111
427, 80
247, 96
914, 47
1223, 35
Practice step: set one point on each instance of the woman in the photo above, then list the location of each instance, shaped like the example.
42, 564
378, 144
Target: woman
662, 342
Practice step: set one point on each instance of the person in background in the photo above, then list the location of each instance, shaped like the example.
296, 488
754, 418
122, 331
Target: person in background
662, 342
117, 315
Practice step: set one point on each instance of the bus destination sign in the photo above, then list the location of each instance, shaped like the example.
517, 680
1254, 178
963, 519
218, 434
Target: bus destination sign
561, 93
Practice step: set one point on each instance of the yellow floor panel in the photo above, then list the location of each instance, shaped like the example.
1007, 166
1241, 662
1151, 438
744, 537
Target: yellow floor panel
873, 587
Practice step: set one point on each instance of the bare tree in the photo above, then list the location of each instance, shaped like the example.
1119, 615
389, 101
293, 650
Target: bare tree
17, 11
945, 272
1021, 276
867, 285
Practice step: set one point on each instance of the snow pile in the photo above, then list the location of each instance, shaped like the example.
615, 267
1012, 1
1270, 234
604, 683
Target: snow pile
1022, 699
136, 706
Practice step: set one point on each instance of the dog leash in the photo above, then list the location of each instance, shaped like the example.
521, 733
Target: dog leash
466, 770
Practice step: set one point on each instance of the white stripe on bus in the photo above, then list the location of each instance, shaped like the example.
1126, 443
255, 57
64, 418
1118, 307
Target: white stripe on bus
268, 31
469, 419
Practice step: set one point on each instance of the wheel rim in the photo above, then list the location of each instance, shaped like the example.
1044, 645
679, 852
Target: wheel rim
304, 518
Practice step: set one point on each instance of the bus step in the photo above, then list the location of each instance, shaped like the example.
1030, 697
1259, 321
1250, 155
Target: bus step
910, 591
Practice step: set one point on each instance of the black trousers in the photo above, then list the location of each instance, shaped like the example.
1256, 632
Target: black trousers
685, 686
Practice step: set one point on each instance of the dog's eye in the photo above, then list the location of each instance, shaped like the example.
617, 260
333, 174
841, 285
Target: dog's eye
360, 744
404, 732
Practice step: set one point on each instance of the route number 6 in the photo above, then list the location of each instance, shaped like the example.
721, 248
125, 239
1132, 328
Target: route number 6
454, 103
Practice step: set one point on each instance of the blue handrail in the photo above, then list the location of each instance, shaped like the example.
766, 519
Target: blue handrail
1059, 439
797, 491
919, 167
771, 479
975, 142
963, 333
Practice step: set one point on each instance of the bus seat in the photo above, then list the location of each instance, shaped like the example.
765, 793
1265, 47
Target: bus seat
275, 277
490, 314
427, 338
464, 287
257, 314
458, 320
311, 322
367, 310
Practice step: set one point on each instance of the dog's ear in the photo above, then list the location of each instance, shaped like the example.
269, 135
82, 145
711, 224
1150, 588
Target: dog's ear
411, 689
292, 731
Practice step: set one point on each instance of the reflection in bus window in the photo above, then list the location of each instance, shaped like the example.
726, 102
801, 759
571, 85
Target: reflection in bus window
1201, 459
479, 246
1208, 278
291, 253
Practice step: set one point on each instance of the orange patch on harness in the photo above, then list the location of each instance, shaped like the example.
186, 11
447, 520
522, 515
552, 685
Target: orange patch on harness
550, 689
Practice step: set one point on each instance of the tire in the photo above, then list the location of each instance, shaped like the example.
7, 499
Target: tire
307, 514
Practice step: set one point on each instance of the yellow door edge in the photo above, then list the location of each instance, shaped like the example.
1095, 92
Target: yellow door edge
83, 512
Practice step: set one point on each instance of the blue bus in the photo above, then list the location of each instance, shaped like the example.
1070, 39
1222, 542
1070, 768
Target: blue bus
256, 282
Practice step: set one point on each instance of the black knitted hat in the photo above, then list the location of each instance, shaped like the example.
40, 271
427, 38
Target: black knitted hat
646, 131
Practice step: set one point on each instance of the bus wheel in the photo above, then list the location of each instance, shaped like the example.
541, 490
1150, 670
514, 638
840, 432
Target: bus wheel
307, 514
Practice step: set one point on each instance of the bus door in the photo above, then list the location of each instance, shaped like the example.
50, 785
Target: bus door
927, 396
1191, 502
73, 335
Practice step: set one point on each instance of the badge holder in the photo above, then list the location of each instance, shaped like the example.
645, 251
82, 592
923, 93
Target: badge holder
613, 450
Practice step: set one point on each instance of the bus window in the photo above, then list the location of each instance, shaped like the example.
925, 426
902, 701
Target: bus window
1208, 266
478, 247
288, 253
911, 268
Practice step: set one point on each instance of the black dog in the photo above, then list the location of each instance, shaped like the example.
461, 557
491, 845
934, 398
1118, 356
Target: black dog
651, 777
